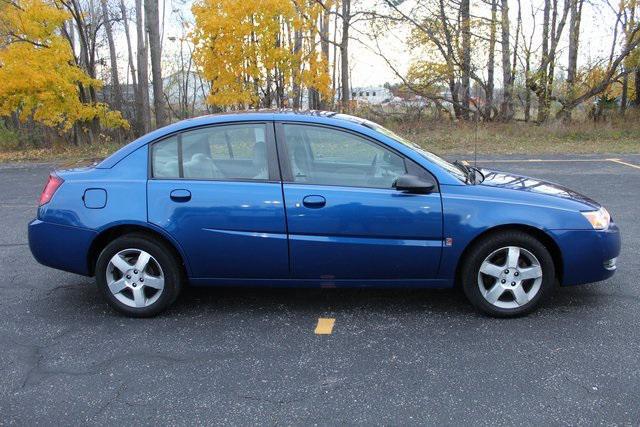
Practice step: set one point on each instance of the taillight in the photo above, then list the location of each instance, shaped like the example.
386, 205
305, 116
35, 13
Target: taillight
53, 183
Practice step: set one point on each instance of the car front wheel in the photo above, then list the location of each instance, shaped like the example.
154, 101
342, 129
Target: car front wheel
507, 274
138, 275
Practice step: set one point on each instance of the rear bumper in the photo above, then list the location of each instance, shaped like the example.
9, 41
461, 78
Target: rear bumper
60, 246
587, 254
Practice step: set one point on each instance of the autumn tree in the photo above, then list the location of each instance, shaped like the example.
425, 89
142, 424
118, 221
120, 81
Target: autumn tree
40, 78
445, 36
541, 81
600, 79
254, 53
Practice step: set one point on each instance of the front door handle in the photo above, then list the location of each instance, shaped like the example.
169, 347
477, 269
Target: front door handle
180, 195
314, 201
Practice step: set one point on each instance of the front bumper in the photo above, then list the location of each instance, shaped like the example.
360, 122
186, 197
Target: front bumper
61, 246
588, 255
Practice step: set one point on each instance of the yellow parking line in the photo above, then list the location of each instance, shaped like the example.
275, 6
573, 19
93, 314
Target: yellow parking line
624, 163
325, 326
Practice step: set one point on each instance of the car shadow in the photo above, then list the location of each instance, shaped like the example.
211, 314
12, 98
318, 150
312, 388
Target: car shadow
324, 301
448, 302
82, 296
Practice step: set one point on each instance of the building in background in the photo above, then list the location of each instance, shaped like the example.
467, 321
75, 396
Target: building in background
371, 94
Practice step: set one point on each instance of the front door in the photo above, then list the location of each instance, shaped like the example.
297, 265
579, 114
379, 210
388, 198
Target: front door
217, 192
345, 220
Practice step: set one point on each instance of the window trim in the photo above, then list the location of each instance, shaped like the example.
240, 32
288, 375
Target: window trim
285, 165
273, 166
180, 157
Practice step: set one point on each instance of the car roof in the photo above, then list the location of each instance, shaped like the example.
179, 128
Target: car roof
280, 114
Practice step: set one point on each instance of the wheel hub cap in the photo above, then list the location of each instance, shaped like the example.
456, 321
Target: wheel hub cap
510, 277
135, 278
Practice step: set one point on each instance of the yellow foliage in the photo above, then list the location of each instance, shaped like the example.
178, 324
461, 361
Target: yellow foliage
241, 47
428, 76
37, 73
593, 76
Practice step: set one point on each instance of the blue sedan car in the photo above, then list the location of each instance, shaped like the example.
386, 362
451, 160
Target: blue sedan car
313, 199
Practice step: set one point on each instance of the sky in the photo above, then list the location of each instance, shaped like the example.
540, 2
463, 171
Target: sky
595, 41
369, 69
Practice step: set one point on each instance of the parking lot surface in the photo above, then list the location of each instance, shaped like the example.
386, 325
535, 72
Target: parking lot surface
250, 356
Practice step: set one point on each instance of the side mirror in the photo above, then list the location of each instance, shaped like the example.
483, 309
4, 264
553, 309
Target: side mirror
414, 184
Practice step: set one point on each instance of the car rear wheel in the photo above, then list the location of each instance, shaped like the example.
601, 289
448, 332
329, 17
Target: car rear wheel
138, 275
507, 274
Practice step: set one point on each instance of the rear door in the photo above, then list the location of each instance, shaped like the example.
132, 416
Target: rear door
345, 220
217, 191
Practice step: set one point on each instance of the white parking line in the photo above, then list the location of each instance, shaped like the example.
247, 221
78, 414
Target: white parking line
624, 163
538, 160
621, 162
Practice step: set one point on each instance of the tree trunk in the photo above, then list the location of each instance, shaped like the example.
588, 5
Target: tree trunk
556, 31
466, 56
624, 96
85, 29
335, 59
297, 46
344, 54
132, 68
572, 68
527, 93
515, 44
543, 100
152, 21
268, 96
312, 92
506, 108
314, 99
636, 100
324, 47
116, 90
492, 59
143, 112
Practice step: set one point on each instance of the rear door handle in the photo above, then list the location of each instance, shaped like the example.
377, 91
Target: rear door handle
314, 201
180, 195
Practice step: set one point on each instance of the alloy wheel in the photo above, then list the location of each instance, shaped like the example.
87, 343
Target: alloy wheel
135, 278
510, 277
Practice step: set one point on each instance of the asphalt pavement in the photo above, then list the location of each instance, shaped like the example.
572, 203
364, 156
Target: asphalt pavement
250, 356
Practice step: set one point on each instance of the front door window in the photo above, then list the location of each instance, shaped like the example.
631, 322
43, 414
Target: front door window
325, 156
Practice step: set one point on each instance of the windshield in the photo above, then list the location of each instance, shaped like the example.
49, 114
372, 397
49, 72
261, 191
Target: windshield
451, 168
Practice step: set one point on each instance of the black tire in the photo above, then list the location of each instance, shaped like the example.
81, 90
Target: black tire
163, 255
490, 244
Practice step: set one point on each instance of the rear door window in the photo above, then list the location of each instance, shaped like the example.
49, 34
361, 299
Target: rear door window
225, 152
164, 156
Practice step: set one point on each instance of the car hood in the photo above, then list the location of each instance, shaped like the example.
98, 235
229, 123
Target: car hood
499, 179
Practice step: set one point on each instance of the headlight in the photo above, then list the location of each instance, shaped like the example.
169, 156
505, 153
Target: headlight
599, 219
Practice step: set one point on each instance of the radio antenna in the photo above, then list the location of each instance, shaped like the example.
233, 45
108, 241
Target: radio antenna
475, 142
